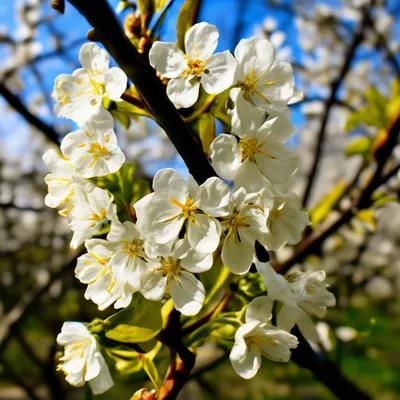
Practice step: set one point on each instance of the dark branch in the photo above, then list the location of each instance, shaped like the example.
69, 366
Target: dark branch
325, 370
15, 102
313, 243
108, 30
351, 51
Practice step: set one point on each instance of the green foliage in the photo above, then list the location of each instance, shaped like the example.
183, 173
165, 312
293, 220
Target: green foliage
323, 208
374, 114
185, 21
151, 371
379, 111
204, 127
138, 323
219, 109
359, 146
124, 188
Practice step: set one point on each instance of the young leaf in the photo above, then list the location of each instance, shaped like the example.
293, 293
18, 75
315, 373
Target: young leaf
323, 208
152, 372
138, 323
205, 128
360, 146
186, 20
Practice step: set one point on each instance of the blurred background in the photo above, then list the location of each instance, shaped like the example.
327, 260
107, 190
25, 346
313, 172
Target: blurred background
347, 64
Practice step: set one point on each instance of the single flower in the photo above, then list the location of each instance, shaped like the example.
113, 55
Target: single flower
79, 96
94, 269
173, 273
245, 223
93, 150
259, 80
186, 70
92, 212
257, 337
177, 204
82, 360
302, 294
61, 182
254, 157
286, 218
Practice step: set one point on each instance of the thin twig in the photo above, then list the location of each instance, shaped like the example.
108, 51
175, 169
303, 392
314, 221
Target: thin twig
15, 102
351, 51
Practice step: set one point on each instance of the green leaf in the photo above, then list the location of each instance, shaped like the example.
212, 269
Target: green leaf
140, 189
359, 146
368, 217
138, 323
219, 109
205, 128
186, 20
374, 114
129, 109
152, 372
323, 208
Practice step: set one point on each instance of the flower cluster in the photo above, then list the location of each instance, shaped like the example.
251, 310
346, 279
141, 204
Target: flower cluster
182, 227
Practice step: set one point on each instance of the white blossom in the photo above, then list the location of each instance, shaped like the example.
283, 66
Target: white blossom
286, 219
91, 213
79, 96
186, 70
93, 150
172, 272
257, 337
94, 269
61, 182
177, 203
82, 361
260, 81
302, 294
245, 223
256, 155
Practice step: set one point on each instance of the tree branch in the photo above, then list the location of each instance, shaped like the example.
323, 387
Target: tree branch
15, 102
325, 370
313, 243
351, 51
180, 370
108, 30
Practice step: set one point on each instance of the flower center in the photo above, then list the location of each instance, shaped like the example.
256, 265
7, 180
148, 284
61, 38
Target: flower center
99, 217
250, 147
170, 268
134, 248
188, 209
194, 67
276, 213
233, 222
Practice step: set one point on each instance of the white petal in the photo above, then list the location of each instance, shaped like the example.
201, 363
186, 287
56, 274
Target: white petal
278, 85
201, 38
116, 83
225, 156
287, 317
259, 309
166, 178
183, 93
204, 235
153, 285
307, 327
103, 381
250, 177
197, 262
245, 361
188, 293
167, 59
214, 197
220, 70
262, 48
280, 165
92, 57
237, 256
